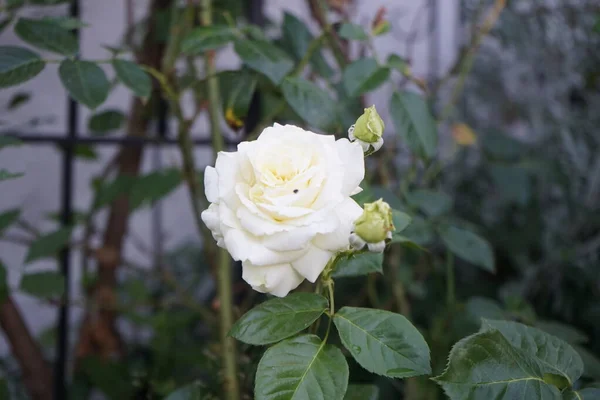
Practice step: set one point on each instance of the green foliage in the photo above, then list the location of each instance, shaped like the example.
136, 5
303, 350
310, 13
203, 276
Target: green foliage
315, 371
105, 122
207, 38
132, 76
265, 58
278, 319
193, 391
7, 218
47, 35
469, 246
48, 245
313, 104
383, 342
85, 81
432, 203
363, 76
353, 32
18, 65
237, 90
4, 289
362, 392
359, 264
43, 285
414, 123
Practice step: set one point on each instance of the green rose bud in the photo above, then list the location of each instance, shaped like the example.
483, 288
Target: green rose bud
373, 227
368, 130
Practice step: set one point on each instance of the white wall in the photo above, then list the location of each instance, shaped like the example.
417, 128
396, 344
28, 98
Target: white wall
38, 192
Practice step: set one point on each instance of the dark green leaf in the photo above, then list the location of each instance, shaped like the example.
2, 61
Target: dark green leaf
388, 195
401, 221
150, 188
501, 146
468, 246
48, 245
48, 2
383, 342
106, 122
353, 32
132, 76
107, 192
7, 218
18, 99
265, 58
359, 264
432, 203
414, 123
364, 75
486, 366
481, 307
108, 376
207, 38
47, 284
18, 65
310, 102
85, 152
6, 175
278, 319
297, 38
551, 353
362, 392
4, 392
591, 363
68, 23
237, 90
193, 391
398, 63
47, 35
419, 231
511, 182
302, 368
562, 331
583, 394
14, 4
85, 82
4, 23
4, 289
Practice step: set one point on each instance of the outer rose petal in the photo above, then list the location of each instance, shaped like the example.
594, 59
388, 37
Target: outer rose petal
244, 247
211, 184
354, 164
312, 263
211, 219
294, 239
347, 212
276, 279
227, 171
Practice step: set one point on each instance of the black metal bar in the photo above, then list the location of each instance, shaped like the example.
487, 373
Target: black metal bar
62, 351
110, 141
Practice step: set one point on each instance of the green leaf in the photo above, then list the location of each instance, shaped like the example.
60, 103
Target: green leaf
47, 2
9, 141
353, 32
4, 392
48, 245
359, 264
237, 90
468, 246
512, 183
18, 65
401, 222
154, 186
106, 121
414, 123
67, 23
6, 175
562, 331
193, 391
297, 38
265, 58
419, 231
206, 38
362, 392
591, 363
551, 353
278, 319
47, 284
107, 192
432, 203
85, 152
310, 102
583, 394
398, 63
302, 368
383, 342
486, 366
85, 82
364, 75
7, 218
481, 307
47, 35
4, 289
133, 77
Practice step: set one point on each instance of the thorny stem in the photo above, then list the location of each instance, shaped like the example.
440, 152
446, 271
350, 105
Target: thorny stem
231, 386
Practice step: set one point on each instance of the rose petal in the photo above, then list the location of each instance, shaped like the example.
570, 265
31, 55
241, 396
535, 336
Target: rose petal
227, 170
293, 239
276, 279
312, 263
347, 212
353, 158
245, 247
211, 184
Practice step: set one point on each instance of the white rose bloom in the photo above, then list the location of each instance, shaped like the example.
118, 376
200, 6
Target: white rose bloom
281, 204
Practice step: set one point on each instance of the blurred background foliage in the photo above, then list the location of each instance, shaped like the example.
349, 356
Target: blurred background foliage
502, 183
